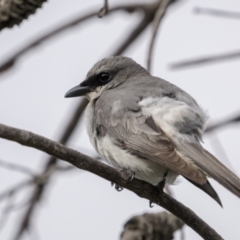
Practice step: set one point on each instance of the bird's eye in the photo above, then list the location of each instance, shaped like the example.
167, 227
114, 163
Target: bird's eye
103, 77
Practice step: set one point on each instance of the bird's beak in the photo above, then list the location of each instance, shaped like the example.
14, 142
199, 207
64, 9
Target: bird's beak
78, 91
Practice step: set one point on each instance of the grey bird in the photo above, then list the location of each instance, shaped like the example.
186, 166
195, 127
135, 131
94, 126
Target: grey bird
149, 126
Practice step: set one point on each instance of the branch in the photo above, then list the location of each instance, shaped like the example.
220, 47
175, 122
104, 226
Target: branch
104, 10
141, 188
14, 12
151, 226
10, 62
50, 169
17, 167
204, 60
215, 126
16, 189
161, 11
217, 12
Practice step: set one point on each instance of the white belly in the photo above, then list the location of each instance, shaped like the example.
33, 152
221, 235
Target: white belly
144, 169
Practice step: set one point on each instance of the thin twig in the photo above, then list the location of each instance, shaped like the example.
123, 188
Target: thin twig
217, 12
104, 10
141, 188
17, 167
161, 11
213, 127
199, 61
16, 188
6, 210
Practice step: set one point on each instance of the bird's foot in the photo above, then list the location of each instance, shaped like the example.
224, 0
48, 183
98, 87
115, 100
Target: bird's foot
127, 174
161, 186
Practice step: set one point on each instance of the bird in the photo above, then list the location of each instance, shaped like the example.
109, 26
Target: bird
149, 126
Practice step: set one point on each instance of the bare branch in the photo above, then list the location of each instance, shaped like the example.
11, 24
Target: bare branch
161, 11
103, 11
14, 12
151, 227
141, 188
204, 60
17, 167
10, 62
217, 12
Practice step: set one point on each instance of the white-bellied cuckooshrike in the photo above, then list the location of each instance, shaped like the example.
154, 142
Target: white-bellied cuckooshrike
149, 126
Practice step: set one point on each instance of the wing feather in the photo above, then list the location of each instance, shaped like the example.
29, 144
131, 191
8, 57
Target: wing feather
210, 165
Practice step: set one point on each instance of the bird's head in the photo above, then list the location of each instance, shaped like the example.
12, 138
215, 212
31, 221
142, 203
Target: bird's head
106, 74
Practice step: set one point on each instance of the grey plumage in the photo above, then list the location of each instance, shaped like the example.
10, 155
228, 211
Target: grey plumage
148, 125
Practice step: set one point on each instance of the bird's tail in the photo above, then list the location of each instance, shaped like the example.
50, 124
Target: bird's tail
212, 167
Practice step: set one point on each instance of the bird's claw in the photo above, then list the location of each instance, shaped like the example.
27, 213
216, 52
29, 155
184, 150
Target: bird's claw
151, 204
130, 175
117, 187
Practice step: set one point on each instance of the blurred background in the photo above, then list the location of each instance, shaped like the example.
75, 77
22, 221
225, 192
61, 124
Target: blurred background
79, 205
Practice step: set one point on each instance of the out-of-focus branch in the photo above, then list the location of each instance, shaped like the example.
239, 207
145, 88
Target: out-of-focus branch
224, 123
204, 60
16, 188
121, 178
149, 12
17, 167
10, 61
217, 12
49, 169
151, 226
14, 12
5, 212
161, 11
103, 10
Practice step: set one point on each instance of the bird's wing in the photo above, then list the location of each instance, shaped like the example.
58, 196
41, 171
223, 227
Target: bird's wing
137, 133
144, 133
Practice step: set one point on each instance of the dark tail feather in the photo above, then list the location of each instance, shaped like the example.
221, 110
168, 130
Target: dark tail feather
207, 188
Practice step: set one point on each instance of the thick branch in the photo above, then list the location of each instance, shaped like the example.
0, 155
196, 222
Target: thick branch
14, 12
141, 188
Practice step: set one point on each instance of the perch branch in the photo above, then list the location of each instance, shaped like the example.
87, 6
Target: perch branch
141, 188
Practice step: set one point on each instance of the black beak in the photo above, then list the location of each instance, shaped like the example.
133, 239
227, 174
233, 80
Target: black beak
78, 91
